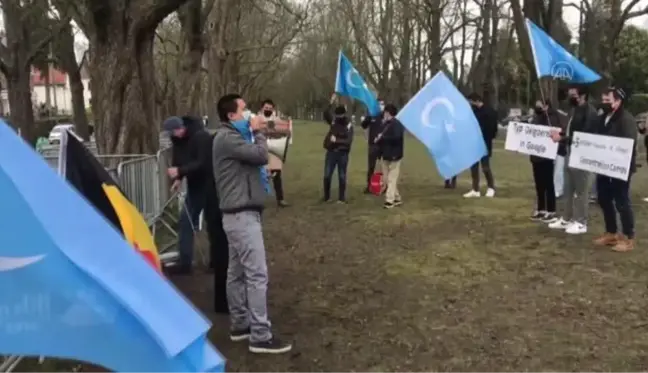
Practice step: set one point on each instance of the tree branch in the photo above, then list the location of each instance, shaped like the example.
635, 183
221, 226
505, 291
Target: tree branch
154, 11
38, 47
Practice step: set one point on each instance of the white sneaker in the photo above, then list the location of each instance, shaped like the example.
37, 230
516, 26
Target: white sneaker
559, 223
490, 193
645, 199
576, 228
472, 194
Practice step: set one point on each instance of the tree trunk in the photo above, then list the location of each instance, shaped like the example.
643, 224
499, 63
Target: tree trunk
78, 105
20, 103
188, 79
217, 55
123, 97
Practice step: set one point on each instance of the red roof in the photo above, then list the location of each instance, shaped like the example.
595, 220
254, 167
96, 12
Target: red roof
56, 77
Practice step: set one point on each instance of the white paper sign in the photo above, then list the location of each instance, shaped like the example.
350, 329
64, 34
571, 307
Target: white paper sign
531, 139
603, 155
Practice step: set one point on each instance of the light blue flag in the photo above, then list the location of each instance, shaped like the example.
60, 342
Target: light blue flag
441, 118
348, 82
551, 59
73, 288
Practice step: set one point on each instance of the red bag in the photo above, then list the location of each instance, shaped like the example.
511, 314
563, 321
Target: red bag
375, 184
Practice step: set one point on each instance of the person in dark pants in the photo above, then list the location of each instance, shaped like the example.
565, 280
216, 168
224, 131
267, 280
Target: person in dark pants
543, 168
614, 194
373, 125
487, 118
190, 144
337, 143
451, 183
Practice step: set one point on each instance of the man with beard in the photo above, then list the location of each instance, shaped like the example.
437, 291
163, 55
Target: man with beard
191, 160
614, 194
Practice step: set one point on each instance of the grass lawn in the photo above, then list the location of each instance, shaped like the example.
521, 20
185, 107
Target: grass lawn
441, 283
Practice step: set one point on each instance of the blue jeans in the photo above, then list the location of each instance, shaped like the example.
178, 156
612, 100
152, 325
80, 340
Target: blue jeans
333, 160
193, 205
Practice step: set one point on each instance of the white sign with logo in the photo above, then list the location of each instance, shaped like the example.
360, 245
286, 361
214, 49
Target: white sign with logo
531, 139
603, 155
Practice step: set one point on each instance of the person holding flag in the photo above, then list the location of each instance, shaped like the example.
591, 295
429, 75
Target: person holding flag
614, 194
373, 125
390, 143
487, 118
441, 118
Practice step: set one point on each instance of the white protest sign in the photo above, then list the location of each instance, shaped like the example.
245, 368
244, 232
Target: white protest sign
531, 139
603, 155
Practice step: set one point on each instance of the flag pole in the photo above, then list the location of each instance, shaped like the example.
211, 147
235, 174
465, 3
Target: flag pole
535, 63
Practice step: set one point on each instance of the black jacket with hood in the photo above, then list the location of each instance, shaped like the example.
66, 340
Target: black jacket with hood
192, 155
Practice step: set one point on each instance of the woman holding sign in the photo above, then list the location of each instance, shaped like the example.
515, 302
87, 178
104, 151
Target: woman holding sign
543, 168
613, 193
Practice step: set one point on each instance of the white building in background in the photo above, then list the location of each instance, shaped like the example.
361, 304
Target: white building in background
60, 92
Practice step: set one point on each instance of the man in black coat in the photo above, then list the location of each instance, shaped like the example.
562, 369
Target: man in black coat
391, 143
191, 159
373, 125
487, 117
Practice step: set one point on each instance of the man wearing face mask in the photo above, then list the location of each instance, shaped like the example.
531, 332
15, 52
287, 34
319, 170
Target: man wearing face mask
240, 153
276, 128
373, 125
543, 168
576, 182
614, 194
487, 118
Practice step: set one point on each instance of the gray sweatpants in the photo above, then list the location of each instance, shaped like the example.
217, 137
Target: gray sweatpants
576, 193
247, 275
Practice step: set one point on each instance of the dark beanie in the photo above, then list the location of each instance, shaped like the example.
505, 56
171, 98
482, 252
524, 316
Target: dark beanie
172, 123
340, 110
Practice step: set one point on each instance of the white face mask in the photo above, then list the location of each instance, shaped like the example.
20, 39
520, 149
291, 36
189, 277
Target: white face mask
247, 114
382, 107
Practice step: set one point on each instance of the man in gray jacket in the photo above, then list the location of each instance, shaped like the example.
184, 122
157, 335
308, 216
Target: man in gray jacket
240, 153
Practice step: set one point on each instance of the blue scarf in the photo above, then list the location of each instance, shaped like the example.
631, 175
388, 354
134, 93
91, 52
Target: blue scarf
243, 127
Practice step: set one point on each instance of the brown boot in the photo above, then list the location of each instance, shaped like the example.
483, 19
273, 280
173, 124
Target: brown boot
607, 239
624, 245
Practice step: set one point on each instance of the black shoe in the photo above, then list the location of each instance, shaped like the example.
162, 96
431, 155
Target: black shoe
283, 204
240, 335
398, 202
273, 346
549, 217
389, 205
538, 215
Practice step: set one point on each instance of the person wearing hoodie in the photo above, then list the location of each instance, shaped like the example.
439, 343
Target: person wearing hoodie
337, 144
276, 128
373, 125
543, 168
614, 194
191, 161
487, 118
576, 182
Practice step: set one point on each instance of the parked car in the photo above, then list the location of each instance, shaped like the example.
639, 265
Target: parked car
56, 132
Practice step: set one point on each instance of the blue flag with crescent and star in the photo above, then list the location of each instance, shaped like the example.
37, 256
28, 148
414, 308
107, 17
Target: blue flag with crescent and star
443, 120
348, 82
73, 288
551, 59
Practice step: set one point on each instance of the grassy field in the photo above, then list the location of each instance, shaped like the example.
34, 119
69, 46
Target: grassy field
438, 284
441, 283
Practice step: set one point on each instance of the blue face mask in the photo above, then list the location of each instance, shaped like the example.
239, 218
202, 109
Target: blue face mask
242, 125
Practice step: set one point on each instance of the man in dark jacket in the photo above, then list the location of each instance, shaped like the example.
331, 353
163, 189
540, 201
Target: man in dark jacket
614, 194
391, 141
543, 168
191, 160
487, 118
240, 153
373, 125
337, 143
576, 182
